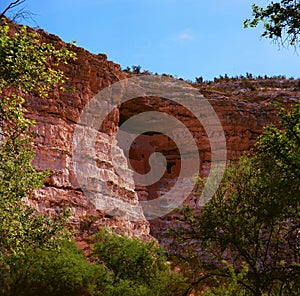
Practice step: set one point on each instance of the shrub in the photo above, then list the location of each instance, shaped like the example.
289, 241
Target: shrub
142, 264
61, 271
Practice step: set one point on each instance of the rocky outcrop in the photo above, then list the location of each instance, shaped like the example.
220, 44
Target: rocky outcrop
243, 107
243, 113
56, 119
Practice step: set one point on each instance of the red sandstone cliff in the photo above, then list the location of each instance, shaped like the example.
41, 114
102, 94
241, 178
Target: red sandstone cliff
243, 107
55, 119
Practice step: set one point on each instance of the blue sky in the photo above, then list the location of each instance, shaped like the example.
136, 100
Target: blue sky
185, 38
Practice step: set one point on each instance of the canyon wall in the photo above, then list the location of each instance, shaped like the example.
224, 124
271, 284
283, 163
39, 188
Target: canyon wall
56, 119
243, 114
243, 107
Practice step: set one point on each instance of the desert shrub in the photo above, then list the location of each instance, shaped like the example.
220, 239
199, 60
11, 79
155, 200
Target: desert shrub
60, 271
142, 264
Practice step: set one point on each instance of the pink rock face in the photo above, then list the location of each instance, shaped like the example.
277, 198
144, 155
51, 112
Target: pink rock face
243, 114
56, 118
242, 117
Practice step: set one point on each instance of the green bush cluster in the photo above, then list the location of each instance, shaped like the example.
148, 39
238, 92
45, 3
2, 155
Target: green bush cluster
121, 266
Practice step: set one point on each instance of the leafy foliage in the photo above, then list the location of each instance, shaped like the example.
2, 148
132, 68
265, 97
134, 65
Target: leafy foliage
136, 264
232, 287
27, 66
253, 219
55, 271
281, 20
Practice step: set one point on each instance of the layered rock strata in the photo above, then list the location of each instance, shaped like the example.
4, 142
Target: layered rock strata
56, 119
243, 107
243, 114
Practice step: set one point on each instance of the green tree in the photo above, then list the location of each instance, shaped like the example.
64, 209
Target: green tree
280, 19
28, 66
231, 287
138, 267
61, 271
253, 219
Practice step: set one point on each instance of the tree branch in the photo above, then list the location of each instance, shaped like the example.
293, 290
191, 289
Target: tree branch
11, 6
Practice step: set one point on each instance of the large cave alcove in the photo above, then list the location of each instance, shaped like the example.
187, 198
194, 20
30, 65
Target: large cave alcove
147, 143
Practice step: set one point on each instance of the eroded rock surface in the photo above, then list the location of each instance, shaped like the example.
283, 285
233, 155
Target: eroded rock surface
243, 107
243, 113
56, 118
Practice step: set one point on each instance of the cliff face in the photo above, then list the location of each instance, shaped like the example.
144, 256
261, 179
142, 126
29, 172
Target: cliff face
56, 118
243, 113
243, 107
